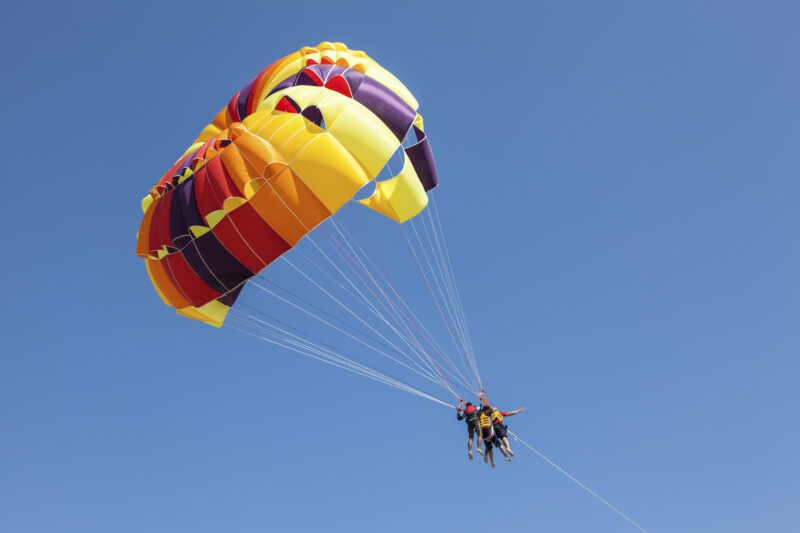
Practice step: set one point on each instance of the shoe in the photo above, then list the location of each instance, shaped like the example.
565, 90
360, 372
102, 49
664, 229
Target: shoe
470, 456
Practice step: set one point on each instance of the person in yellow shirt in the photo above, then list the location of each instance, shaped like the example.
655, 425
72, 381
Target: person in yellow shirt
489, 437
500, 429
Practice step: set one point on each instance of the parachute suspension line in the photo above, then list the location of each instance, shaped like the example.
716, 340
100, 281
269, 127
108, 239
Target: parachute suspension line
407, 315
427, 283
363, 298
396, 315
428, 372
446, 260
345, 307
399, 322
451, 315
449, 283
462, 347
296, 340
335, 318
386, 277
448, 302
330, 353
581, 485
444, 356
446, 283
377, 312
300, 335
434, 345
309, 313
333, 359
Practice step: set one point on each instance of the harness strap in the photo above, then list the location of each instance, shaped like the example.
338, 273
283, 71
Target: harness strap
483, 399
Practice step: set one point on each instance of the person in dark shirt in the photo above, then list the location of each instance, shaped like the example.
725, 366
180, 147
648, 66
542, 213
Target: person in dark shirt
500, 428
489, 436
470, 414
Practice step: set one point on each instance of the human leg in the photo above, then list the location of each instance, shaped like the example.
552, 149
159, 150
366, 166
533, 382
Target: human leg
488, 451
502, 449
502, 437
505, 441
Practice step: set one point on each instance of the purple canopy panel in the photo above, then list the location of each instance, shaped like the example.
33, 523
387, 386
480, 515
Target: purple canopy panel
214, 264
183, 213
285, 84
243, 96
387, 106
421, 157
382, 102
230, 298
354, 79
313, 114
195, 262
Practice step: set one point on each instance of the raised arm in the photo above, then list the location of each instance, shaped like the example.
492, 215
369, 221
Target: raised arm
514, 412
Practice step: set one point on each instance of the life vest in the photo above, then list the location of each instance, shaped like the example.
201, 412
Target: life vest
497, 418
486, 421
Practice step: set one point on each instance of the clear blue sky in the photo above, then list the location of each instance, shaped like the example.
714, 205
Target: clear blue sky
619, 185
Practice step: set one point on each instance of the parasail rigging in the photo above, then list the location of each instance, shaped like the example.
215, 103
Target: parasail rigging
257, 226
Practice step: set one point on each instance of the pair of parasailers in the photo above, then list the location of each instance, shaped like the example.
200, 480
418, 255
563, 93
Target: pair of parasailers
488, 421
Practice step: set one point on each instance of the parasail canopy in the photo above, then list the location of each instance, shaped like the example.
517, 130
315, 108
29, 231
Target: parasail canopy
291, 148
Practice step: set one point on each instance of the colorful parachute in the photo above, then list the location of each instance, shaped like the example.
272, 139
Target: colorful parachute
290, 149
